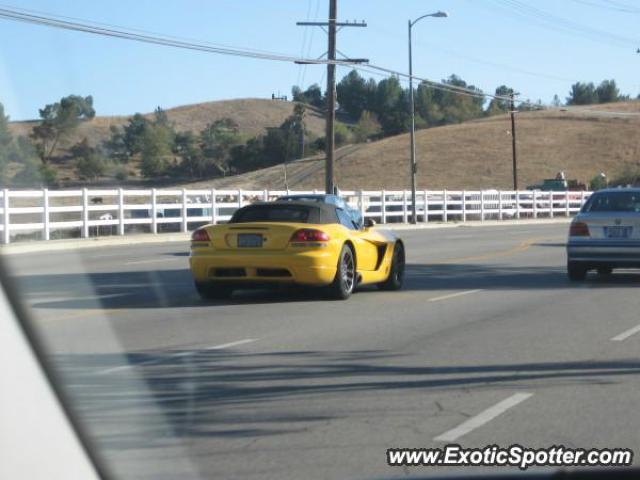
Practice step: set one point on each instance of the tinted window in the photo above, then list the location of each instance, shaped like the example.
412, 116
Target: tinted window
272, 213
614, 202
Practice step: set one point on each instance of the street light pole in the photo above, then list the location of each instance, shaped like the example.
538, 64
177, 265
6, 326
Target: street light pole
414, 166
412, 133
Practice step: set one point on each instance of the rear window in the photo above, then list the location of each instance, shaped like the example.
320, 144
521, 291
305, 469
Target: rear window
272, 213
614, 202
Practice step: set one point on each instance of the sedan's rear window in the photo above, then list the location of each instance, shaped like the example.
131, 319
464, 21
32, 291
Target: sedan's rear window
614, 202
272, 213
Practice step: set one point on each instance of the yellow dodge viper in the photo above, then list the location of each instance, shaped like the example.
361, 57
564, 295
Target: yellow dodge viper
295, 242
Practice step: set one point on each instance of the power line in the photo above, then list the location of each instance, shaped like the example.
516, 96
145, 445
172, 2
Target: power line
479, 61
129, 34
554, 22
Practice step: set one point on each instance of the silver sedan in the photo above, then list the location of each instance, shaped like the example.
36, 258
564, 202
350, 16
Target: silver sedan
605, 234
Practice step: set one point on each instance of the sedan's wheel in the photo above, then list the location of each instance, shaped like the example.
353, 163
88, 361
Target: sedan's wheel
345, 280
396, 273
576, 272
605, 271
213, 290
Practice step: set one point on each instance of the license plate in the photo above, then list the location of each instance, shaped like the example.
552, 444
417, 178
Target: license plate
249, 240
617, 231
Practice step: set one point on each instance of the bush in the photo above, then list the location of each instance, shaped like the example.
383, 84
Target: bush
598, 182
121, 174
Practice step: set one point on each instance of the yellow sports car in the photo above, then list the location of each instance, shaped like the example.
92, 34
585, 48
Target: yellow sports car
294, 242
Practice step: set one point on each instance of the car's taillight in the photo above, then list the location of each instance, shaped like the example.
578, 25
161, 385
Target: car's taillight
578, 229
309, 235
200, 235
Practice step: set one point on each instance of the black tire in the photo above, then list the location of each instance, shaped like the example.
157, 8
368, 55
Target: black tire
604, 271
576, 272
395, 279
213, 290
345, 281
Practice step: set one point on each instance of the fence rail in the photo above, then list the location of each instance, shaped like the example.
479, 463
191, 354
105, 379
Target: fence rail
48, 214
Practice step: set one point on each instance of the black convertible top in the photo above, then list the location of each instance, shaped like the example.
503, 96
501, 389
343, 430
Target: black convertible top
287, 211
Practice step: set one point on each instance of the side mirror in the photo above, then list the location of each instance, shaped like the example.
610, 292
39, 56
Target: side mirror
369, 222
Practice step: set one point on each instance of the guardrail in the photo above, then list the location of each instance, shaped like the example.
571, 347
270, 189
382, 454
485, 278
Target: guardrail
48, 214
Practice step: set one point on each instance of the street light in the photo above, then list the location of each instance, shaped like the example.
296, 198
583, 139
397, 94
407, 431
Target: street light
414, 167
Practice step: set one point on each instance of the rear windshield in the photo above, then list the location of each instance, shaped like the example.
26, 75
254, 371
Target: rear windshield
614, 202
272, 213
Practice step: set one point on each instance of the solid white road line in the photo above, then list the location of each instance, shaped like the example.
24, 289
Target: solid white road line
483, 417
453, 295
626, 334
175, 355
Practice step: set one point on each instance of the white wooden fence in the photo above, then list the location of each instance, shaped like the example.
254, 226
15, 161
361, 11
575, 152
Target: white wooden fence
47, 214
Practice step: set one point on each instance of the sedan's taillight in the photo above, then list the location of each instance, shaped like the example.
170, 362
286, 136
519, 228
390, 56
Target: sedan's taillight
309, 235
200, 235
578, 229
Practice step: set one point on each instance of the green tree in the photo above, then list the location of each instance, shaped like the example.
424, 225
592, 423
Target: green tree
216, 141
367, 127
607, 92
392, 106
58, 120
157, 150
90, 163
500, 105
352, 94
582, 94
6, 144
312, 95
32, 172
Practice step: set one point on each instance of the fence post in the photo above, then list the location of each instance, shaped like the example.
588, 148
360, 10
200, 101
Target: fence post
499, 204
426, 206
445, 217
482, 205
361, 204
383, 206
214, 208
184, 225
85, 213
567, 212
240, 197
535, 204
551, 198
463, 205
405, 216
45, 214
517, 204
5, 217
265, 195
121, 212
154, 210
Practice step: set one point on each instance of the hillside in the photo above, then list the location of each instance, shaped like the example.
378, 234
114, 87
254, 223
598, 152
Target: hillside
477, 154
253, 116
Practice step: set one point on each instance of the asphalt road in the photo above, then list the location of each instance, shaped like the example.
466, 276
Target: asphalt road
488, 344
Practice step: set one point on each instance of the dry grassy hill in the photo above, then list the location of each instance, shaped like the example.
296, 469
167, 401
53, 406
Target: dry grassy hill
253, 116
477, 154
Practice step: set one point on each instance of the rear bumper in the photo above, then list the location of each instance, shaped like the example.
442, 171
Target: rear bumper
305, 268
601, 253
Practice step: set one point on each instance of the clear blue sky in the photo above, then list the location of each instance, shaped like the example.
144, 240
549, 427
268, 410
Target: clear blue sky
482, 41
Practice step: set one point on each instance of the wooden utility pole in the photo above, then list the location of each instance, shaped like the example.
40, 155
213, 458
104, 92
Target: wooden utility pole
332, 28
331, 99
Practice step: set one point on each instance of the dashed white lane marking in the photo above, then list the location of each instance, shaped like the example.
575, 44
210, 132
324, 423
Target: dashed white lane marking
176, 355
153, 260
626, 334
483, 417
453, 295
